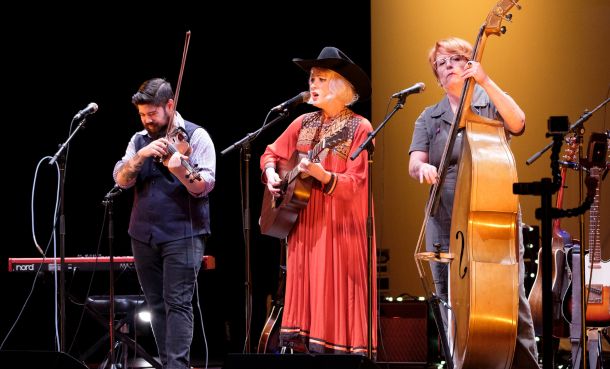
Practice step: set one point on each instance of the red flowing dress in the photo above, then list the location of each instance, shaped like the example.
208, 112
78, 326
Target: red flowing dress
325, 304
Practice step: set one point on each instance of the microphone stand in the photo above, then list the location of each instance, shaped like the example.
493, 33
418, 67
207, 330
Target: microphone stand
535, 189
244, 145
60, 157
546, 213
545, 189
108, 202
370, 148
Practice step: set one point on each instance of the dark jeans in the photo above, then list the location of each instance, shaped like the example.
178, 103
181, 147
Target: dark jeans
167, 273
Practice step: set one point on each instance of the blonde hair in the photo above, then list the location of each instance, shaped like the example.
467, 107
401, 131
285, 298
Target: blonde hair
338, 85
449, 46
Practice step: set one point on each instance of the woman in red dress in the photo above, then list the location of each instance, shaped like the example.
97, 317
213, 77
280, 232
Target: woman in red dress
325, 305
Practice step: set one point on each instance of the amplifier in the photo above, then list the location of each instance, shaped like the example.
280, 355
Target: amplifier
404, 333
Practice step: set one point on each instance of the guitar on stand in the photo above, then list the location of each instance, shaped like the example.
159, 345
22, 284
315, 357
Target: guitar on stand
596, 271
561, 243
270, 337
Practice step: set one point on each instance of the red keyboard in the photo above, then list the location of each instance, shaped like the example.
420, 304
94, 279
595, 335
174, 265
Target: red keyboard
84, 263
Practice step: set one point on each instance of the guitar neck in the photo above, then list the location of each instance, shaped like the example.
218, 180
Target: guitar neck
595, 250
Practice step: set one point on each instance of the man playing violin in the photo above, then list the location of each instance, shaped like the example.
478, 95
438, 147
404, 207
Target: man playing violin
170, 217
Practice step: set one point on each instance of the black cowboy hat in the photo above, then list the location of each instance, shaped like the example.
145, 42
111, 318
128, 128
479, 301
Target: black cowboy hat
334, 59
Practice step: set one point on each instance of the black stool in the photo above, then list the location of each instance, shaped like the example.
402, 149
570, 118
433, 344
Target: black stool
125, 310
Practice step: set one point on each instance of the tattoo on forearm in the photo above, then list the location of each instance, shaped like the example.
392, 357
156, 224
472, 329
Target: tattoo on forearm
131, 169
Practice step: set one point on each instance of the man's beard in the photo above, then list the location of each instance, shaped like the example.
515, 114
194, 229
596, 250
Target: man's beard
158, 134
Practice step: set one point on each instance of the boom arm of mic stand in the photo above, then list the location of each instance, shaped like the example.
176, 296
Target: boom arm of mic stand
399, 105
583, 118
65, 144
252, 135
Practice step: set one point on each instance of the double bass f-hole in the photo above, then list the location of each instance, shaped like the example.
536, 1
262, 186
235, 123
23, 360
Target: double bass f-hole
460, 236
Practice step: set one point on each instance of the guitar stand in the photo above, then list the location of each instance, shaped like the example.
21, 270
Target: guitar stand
594, 347
126, 307
286, 350
594, 335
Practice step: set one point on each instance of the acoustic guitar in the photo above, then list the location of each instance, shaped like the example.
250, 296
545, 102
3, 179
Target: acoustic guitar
278, 215
269, 341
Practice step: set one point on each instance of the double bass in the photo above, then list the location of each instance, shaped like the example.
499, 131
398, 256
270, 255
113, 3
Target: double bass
484, 274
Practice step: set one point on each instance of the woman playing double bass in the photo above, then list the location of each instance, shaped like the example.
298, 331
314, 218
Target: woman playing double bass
452, 64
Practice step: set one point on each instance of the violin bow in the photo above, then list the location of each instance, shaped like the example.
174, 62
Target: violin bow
187, 40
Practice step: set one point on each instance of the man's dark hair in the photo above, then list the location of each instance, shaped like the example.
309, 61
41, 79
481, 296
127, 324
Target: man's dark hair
156, 91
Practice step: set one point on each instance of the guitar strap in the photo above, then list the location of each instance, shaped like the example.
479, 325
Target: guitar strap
316, 139
335, 125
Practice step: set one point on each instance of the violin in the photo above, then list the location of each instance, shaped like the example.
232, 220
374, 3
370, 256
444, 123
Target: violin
177, 141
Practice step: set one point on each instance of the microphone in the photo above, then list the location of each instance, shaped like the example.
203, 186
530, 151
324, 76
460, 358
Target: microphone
90, 109
115, 191
298, 99
415, 89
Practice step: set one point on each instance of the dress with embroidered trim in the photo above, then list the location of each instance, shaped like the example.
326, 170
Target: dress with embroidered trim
325, 304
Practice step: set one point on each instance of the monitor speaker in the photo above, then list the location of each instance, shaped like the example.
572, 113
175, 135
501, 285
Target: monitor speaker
40, 359
297, 361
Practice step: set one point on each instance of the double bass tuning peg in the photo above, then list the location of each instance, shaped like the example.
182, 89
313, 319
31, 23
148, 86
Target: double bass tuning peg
517, 5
